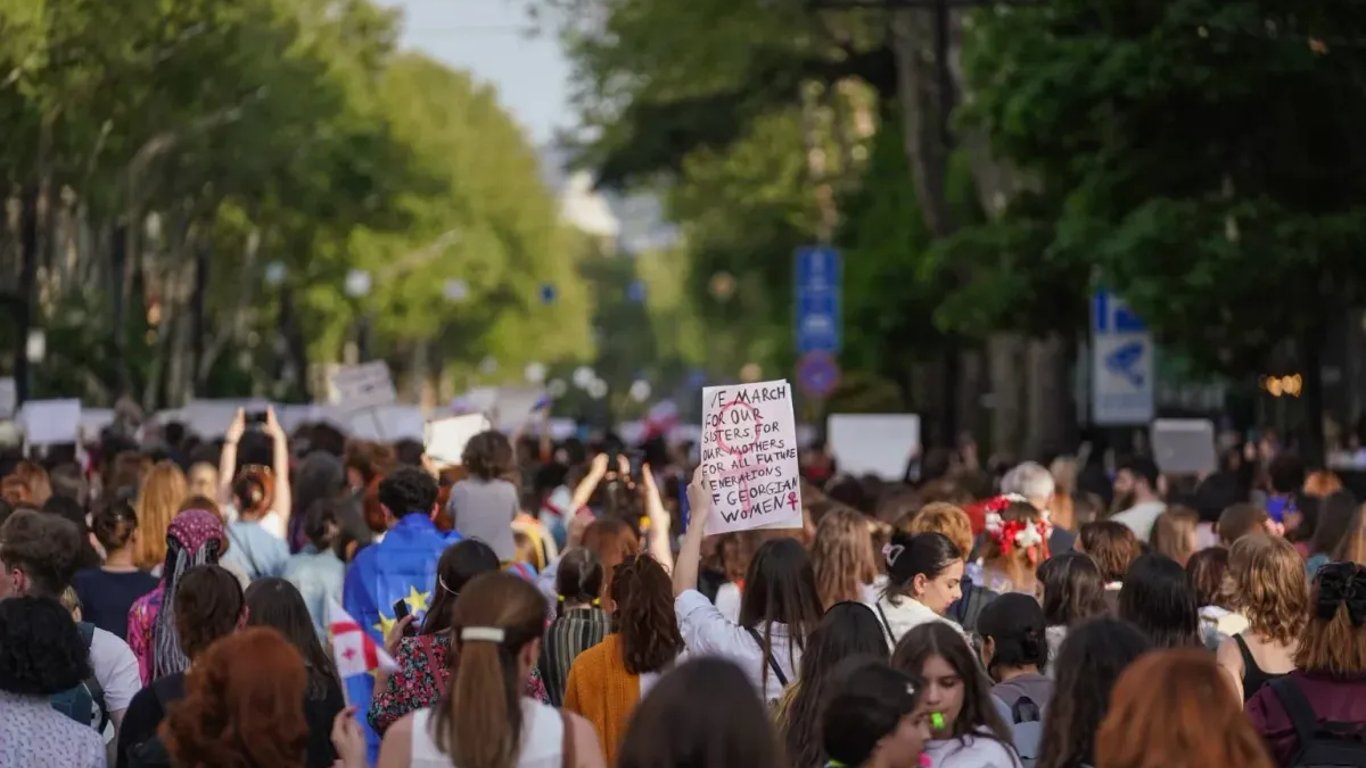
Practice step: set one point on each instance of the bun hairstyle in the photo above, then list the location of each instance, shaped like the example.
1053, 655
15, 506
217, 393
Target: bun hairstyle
909, 556
253, 489
1015, 624
114, 523
579, 578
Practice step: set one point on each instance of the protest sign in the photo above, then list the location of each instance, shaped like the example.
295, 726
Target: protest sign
50, 422
388, 423
356, 387
446, 438
749, 454
879, 444
1184, 446
210, 419
515, 405
93, 421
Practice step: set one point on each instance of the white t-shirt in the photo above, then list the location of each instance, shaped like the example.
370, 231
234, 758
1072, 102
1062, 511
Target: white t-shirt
116, 669
971, 752
542, 739
1140, 518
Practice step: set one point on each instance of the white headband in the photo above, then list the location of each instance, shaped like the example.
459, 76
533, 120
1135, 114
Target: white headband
482, 635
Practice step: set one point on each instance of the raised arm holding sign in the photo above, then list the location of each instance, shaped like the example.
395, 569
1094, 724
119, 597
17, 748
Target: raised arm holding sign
749, 457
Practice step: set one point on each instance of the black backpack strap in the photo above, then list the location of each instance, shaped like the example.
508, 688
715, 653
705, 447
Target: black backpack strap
772, 662
1298, 708
92, 683
886, 625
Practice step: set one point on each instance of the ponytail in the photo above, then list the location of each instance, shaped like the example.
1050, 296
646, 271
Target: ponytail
644, 616
479, 722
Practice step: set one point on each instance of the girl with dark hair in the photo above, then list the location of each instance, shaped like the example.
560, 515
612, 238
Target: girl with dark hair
482, 721
1114, 547
609, 679
208, 605
241, 705
1073, 591
1335, 529
316, 570
485, 503
1015, 653
848, 630
1328, 690
703, 713
42, 654
874, 718
1172, 708
967, 728
107, 592
1219, 621
425, 661
1089, 662
924, 573
195, 537
1159, 601
779, 608
580, 623
276, 603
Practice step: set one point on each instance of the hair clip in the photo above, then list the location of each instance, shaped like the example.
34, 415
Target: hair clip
483, 635
441, 582
890, 552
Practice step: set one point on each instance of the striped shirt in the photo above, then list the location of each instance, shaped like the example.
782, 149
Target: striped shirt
571, 634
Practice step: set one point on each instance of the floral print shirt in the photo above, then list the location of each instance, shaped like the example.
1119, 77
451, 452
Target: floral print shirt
34, 734
142, 621
421, 678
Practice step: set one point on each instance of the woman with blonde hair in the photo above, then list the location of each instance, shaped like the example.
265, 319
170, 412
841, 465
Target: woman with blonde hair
842, 557
1174, 534
1327, 691
158, 501
1170, 709
1266, 583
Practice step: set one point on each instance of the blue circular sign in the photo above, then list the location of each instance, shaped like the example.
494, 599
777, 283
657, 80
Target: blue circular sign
818, 374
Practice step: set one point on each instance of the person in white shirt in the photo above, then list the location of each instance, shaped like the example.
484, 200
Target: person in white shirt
1138, 494
924, 574
967, 729
779, 608
38, 559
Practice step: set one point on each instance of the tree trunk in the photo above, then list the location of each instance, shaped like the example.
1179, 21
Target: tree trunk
121, 285
1311, 431
28, 277
198, 301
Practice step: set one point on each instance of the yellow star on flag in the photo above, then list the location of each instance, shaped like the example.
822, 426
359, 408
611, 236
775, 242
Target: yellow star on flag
417, 602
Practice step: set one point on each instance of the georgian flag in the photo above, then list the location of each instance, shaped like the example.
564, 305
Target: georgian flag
353, 650
661, 418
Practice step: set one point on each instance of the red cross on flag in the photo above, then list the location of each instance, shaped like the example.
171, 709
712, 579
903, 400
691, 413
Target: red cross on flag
353, 650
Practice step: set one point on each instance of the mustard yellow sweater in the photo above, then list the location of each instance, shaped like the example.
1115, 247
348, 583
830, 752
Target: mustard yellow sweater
603, 692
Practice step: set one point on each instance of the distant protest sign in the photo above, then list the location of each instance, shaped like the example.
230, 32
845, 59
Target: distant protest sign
357, 387
749, 453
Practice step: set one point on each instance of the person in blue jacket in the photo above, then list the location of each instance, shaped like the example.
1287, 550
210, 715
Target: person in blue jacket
402, 566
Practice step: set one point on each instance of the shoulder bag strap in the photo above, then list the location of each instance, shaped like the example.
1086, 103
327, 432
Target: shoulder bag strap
886, 625
251, 556
772, 662
567, 743
1301, 712
92, 683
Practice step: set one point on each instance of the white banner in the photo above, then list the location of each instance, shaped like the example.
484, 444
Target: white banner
879, 444
355, 387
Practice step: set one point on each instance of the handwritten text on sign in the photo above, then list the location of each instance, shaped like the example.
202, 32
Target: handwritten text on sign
749, 450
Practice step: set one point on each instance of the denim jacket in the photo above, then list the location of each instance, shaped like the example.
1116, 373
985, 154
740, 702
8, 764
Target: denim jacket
318, 576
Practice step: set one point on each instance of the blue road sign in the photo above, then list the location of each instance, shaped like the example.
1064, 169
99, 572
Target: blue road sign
819, 280
636, 291
818, 374
548, 293
1122, 364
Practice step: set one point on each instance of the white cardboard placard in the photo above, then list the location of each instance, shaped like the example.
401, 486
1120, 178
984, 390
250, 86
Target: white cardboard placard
446, 438
1184, 446
50, 422
879, 444
354, 387
749, 452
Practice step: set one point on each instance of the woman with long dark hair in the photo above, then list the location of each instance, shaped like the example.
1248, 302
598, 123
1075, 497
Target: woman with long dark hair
779, 608
1073, 591
277, 604
846, 631
425, 661
483, 721
968, 731
1089, 662
874, 717
1159, 600
705, 713
608, 680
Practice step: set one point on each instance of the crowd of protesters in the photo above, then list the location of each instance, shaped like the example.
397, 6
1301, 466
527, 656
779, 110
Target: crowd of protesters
164, 601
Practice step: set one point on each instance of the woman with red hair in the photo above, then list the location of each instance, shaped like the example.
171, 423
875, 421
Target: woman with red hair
1175, 709
243, 705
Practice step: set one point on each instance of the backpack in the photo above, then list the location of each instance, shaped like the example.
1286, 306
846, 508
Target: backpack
152, 752
1326, 745
84, 702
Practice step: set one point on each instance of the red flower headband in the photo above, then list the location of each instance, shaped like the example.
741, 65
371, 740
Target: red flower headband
1032, 537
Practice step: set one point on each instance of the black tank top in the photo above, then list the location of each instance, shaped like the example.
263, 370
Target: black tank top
1253, 676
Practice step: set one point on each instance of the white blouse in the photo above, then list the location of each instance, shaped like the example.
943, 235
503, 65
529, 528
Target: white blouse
707, 633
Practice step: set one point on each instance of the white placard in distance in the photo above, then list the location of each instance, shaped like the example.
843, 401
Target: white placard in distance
879, 444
